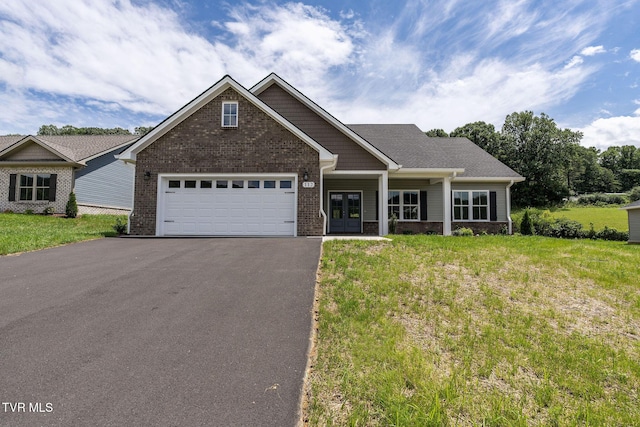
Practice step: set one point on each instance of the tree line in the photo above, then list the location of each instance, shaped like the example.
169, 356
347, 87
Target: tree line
551, 159
72, 130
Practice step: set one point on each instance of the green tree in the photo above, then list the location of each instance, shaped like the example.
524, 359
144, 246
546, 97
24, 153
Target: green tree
72, 206
484, 135
540, 152
437, 133
143, 130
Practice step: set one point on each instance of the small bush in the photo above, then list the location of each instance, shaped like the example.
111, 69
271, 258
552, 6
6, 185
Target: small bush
526, 226
393, 224
49, 210
72, 206
462, 231
120, 227
28, 211
634, 194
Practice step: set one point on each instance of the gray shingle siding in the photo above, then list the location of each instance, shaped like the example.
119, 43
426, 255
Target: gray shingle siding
105, 181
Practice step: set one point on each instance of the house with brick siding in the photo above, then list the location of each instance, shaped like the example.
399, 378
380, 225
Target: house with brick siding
268, 161
39, 172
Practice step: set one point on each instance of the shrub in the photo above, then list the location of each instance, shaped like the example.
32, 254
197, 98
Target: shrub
393, 224
566, 229
120, 227
634, 194
601, 199
72, 206
28, 211
526, 226
462, 231
612, 234
49, 210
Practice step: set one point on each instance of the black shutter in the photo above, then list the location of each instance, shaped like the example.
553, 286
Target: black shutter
423, 206
493, 206
12, 187
52, 187
377, 207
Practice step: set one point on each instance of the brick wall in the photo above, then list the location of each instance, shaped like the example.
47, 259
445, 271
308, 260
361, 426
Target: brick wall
64, 184
479, 227
419, 227
200, 145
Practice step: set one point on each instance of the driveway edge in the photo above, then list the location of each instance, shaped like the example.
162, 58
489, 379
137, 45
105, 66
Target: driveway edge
312, 353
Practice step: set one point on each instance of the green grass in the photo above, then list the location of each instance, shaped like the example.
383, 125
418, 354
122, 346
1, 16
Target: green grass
21, 233
609, 216
492, 330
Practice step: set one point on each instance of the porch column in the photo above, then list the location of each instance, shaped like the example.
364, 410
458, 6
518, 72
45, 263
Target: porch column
446, 197
383, 203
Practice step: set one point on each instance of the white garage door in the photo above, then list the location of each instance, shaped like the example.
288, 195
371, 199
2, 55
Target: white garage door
227, 206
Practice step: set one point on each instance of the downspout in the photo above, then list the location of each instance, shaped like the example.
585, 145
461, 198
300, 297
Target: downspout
323, 214
509, 207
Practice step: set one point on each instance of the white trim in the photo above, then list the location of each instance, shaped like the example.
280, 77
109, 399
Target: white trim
447, 207
356, 172
323, 214
401, 205
470, 206
108, 150
274, 78
508, 197
237, 114
212, 176
349, 191
30, 138
383, 202
129, 155
427, 172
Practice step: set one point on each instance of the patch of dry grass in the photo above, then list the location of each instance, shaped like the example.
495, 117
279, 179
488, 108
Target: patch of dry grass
469, 331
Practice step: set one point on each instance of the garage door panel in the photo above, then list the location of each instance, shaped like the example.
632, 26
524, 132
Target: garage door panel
228, 211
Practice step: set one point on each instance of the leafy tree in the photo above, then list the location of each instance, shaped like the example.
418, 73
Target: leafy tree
437, 133
526, 226
540, 151
72, 130
143, 130
484, 135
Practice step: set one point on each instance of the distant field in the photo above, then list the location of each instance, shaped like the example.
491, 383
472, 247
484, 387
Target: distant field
612, 217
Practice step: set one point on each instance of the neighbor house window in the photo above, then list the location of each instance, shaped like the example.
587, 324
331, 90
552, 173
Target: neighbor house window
34, 187
404, 204
470, 205
230, 114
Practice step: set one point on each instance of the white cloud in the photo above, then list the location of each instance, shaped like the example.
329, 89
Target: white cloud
635, 55
592, 50
574, 62
605, 132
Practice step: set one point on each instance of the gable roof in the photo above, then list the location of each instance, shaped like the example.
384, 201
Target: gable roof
72, 148
273, 78
634, 205
408, 145
205, 97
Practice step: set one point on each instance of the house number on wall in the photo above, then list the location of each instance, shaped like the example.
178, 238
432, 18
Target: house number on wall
308, 184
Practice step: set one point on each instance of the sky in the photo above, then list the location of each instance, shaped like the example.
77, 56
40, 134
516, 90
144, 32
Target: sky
436, 63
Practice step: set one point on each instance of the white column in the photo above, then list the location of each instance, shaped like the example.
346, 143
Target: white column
383, 203
446, 198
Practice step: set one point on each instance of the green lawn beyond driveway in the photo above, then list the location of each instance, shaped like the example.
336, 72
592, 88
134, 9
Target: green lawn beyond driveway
21, 233
491, 330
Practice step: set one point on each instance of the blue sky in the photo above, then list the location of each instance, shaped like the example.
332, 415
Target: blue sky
439, 64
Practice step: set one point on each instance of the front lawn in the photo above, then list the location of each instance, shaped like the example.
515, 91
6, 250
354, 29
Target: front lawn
609, 216
21, 232
491, 330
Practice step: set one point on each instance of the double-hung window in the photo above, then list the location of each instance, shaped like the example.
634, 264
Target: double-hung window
470, 205
34, 187
229, 114
404, 204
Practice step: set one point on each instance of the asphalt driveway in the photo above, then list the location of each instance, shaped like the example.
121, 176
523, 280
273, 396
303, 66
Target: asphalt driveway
163, 332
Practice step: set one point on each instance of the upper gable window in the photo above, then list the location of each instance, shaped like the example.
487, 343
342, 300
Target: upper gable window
229, 114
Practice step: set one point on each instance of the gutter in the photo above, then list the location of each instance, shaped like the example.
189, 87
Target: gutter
322, 213
509, 206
